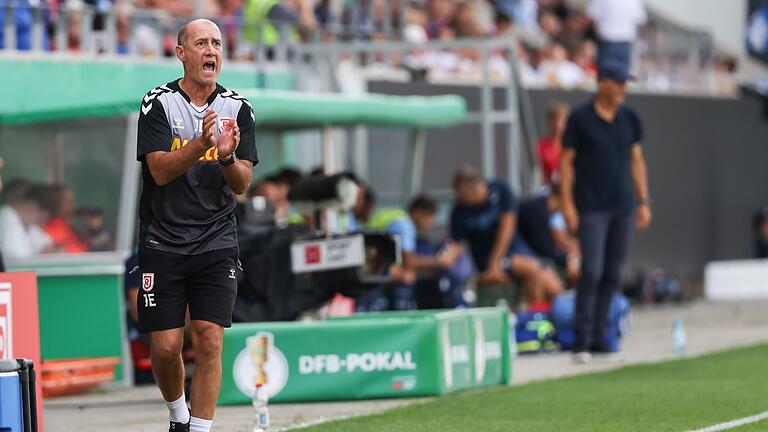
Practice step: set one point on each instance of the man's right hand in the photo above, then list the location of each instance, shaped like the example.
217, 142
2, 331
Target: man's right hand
209, 128
571, 217
450, 253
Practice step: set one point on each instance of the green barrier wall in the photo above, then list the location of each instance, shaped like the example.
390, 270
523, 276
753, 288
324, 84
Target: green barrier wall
381, 355
81, 316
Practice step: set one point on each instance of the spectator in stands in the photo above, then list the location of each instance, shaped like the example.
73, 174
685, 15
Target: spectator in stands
269, 21
560, 71
550, 146
760, 225
123, 12
543, 227
20, 219
395, 221
616, 23
524, 13
484, 217
59, 202
74, 11
602, 161
722, 77
585, 57
441, 15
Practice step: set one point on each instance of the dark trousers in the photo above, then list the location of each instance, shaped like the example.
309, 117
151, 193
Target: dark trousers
396, 297
621, 51
604, 237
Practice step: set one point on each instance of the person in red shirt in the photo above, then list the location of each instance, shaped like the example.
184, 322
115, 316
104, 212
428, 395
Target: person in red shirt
550, 146
59, 202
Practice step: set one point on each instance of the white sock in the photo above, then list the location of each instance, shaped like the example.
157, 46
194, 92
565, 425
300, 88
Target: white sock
200, 425
178, 409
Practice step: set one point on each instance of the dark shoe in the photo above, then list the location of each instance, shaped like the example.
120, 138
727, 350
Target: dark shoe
179, 427
605, 353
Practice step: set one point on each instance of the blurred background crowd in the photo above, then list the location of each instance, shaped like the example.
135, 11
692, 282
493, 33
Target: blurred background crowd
556, 41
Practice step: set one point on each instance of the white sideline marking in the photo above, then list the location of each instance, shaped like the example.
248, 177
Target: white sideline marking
318, 421
735, 423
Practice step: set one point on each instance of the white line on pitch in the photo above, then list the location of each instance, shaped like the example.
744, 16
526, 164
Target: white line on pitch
734, 423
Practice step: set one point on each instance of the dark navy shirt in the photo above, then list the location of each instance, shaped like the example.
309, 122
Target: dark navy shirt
479, 224
603, 158
533, 224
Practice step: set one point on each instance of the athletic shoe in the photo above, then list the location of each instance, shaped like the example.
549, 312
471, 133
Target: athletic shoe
582, 357
179, 427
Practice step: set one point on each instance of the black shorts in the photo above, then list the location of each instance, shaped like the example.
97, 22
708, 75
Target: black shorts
169, 282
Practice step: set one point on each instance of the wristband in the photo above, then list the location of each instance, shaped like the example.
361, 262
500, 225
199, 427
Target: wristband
227, 162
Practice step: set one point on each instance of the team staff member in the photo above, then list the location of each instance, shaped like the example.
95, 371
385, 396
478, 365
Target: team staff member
484, 218
601, 162
196, 145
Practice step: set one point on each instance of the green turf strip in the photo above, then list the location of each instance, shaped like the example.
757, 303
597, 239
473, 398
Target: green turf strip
670, 396
760, 426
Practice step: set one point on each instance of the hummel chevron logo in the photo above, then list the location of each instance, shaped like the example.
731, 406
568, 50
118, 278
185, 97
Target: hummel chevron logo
145, 108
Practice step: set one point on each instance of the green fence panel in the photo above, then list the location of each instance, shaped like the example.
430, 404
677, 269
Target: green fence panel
371, 355
81, 316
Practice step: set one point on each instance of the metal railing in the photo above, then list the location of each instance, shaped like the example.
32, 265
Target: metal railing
516, 114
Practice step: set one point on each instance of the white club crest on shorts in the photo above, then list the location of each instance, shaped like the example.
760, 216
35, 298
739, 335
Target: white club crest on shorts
148, 281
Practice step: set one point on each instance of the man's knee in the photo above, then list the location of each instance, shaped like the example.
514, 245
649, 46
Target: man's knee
525, 267
166, 348
208, 339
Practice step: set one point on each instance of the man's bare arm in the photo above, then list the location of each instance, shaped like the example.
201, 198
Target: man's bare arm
639, 173
504, 236
238, 175
167, 166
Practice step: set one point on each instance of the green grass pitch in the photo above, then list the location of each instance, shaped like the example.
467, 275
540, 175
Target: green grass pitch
671, 396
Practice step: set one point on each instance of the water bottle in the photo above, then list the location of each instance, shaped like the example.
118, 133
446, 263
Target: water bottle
260, 400
679, 338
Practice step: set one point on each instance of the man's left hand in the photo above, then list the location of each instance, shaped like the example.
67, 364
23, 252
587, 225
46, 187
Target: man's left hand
644, 216
228, 140
494, 274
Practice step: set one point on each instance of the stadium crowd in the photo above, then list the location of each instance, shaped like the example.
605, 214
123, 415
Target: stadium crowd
558, 42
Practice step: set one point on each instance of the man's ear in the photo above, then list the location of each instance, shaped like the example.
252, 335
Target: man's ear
180, 52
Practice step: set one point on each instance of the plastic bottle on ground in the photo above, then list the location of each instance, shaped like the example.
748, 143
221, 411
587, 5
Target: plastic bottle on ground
260, 409
679, 338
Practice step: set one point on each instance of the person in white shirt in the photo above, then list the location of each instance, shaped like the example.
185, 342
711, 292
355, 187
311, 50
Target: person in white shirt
20, 216
616, 23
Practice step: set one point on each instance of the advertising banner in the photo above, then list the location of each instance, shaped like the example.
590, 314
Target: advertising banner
19, 323
365, 356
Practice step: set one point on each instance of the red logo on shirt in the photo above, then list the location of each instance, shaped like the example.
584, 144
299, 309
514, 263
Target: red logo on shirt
312, 254
148, 281
226, 123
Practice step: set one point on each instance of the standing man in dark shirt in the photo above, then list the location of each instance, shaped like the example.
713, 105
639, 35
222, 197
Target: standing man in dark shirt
197, 149
601, 163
